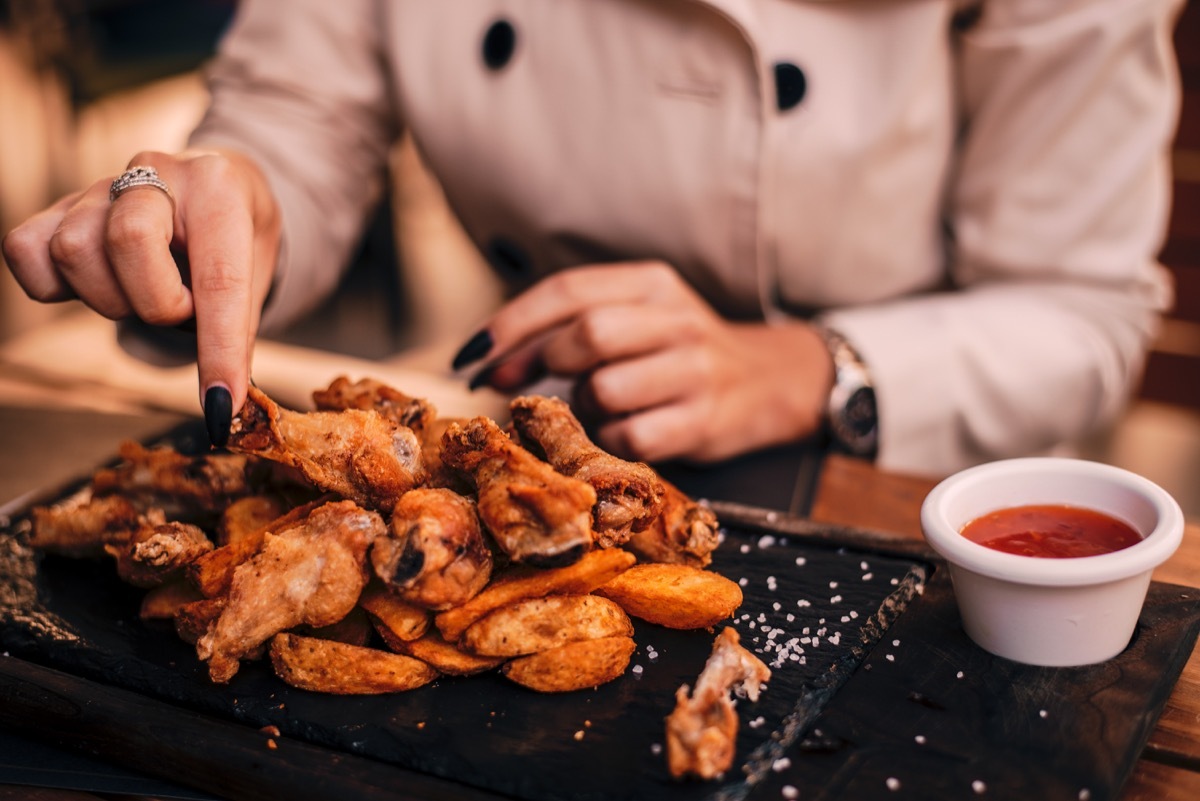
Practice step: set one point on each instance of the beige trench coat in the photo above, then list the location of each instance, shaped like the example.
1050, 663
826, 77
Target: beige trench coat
977, 210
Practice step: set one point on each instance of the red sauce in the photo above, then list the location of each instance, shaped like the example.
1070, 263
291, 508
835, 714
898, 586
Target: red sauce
1054, 532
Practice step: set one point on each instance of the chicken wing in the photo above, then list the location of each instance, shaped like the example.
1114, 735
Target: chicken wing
685, 532
434, 554
367, 393
629, 494
535, 514
702, 729
83, 524
179, 483
355, 453
158, 550
310, 573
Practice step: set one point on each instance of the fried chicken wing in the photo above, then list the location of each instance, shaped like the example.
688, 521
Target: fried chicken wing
367, 393
158, 550
357, 454
534, 513
181, 484
311, 573
83, 524
702, 729
685, 532
629, 494
434, 553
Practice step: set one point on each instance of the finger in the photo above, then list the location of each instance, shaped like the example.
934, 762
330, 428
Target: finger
557, 299
77, 251
222, 271
27, 254
658, 434
137, 240
517, 369
611, 333
635, 384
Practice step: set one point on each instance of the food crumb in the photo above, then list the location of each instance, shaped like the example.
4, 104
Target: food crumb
271, 744
579, 734
587, 724
979, 787
271, 730
789, 792
893, 783
420, 724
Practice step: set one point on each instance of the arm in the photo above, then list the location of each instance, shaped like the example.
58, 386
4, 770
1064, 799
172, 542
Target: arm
1059, 206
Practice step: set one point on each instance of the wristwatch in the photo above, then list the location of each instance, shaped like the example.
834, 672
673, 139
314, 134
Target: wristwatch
851, 413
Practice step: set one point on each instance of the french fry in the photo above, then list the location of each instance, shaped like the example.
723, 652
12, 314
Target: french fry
574, 666
247, 516
443, 656
329, 666
354, 629
395, 619
539, 624
164, 601
592, 570
674, 595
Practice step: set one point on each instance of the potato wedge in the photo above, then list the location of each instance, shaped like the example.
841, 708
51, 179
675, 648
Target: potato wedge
246, 517
192, 620
164, 601
539, 624
329, 666
395, 619
574, 666
674, 595
355, 629
592, 570
443, 656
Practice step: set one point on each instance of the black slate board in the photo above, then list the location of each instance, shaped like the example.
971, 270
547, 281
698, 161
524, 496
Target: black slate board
839, 719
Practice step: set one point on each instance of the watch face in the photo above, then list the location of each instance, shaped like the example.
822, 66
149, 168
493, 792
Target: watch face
860, 414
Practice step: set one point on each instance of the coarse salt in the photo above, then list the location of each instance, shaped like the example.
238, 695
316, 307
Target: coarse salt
979, 787
893, 783
781, 764
789, 792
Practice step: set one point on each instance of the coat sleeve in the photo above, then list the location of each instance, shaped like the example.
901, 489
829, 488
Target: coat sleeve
1057, 211
302, 88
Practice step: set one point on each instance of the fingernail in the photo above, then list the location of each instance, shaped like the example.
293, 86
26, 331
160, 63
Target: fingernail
480, 379
218, 415
476, 348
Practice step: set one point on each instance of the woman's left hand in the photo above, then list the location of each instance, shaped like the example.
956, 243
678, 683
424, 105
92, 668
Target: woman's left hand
657, 373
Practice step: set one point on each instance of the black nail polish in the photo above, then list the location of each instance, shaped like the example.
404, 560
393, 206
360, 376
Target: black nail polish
480, 379
476, 348
218, 415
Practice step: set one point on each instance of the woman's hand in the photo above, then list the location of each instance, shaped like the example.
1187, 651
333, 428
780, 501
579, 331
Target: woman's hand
117, 256
658, 374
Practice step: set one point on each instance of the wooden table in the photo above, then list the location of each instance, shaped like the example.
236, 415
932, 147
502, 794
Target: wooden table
853, 493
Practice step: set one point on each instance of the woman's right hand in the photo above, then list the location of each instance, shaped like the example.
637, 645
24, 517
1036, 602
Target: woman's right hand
117, 256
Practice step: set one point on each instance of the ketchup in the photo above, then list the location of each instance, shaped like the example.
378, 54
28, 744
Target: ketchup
1050, 531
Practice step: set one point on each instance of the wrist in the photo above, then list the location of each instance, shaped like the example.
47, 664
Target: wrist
851, 413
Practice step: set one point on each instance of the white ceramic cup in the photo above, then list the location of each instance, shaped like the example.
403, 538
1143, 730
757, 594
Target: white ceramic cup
1045, 611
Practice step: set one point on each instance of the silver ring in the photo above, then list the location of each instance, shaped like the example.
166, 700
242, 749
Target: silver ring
136, 177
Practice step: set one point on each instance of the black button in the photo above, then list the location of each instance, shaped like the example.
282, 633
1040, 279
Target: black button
790, 85
508, 259
498, 44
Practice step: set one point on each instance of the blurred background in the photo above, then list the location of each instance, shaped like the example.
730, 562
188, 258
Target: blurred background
85, 84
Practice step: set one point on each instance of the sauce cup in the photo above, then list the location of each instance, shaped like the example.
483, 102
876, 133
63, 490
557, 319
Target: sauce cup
1051, 611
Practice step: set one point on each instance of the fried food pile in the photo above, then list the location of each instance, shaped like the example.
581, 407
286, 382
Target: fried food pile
369, 546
